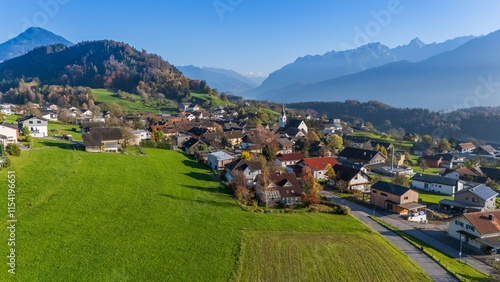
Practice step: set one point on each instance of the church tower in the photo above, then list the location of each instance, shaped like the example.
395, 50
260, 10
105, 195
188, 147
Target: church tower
282, 120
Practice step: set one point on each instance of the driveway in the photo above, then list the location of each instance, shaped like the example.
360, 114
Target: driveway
362, 214
435, 271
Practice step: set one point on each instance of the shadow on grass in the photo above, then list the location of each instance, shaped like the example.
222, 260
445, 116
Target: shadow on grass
201, 176
50, 143
209, 202
219, 190
193, 164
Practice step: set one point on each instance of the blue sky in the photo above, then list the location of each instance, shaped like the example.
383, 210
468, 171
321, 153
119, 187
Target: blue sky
250, 35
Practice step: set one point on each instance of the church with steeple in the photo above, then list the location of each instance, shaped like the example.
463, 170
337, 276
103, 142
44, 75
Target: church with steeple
291, 127
282, 120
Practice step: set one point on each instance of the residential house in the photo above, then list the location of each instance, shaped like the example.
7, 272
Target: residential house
388, 146
191, 145
398, 199
248, 169
318, 166
86, 126
471, 199
491, 173
140, 135
465, 148
218, 160
351, 178
449, 160
331, 128
318, 149
234, 137
289, 159
486, 150
432, 161
248, 140
282, 187
49, 115
6, 109
436, 183
480, 230
362, 156
464, 174
102, 139
285, 146
9, 133
419, 148
188, 107
36, 125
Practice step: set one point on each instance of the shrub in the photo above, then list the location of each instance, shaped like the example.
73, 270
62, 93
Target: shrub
6, 163
309, 199
13, 150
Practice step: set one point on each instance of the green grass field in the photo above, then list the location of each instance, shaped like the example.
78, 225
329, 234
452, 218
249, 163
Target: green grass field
65, 128
201, 98
431, 198
459, 269
404, 145
109, 96
107, 217
11, 118
320, 256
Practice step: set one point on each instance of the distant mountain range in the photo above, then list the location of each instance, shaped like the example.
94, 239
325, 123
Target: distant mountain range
466, 76
30, 39
224, 80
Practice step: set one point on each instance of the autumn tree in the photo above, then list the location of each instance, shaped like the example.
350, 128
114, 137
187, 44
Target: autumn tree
444, 145
128, 136
65, 116
241, 190
383, 151
159, 135
245, 155
330, 172
335, 142
401, 180
224, 142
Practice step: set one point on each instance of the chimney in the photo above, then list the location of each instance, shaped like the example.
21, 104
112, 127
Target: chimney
392, 160
491, 217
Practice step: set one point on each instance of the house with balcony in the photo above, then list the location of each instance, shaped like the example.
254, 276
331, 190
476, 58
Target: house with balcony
36, 125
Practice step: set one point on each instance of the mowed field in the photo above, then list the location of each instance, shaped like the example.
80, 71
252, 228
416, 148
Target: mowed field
322, 256
109, 96
107, 217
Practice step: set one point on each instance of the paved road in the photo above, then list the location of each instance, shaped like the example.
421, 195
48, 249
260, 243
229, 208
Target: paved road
435, 271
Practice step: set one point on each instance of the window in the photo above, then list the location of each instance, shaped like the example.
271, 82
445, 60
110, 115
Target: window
466, 198
30, 122
383, 194
406, 198
39, 121
475, 200
374, 192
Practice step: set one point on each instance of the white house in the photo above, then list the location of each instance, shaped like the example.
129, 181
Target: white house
436, 183
49, 115
36, 125
351, 178
477, 229
6, 109
318, 166
140, 135
289, 159
248, 169
9, 133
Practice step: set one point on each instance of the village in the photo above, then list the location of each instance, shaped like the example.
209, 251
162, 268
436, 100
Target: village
444, 190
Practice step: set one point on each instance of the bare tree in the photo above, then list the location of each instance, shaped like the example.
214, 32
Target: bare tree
65, 116
128, 136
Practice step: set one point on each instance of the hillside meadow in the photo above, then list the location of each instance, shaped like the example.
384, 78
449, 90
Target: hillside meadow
163, 217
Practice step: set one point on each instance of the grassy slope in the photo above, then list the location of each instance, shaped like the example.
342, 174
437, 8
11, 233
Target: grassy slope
85, 216
200, 98
404, 145
11, 118
109, 96
319, 256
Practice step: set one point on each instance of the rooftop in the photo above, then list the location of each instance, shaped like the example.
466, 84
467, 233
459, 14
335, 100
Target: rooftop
434, 179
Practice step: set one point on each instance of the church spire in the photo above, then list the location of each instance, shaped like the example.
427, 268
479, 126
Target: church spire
282, 119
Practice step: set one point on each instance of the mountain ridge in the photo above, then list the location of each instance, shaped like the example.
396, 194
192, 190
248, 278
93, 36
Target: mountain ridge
28, 40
